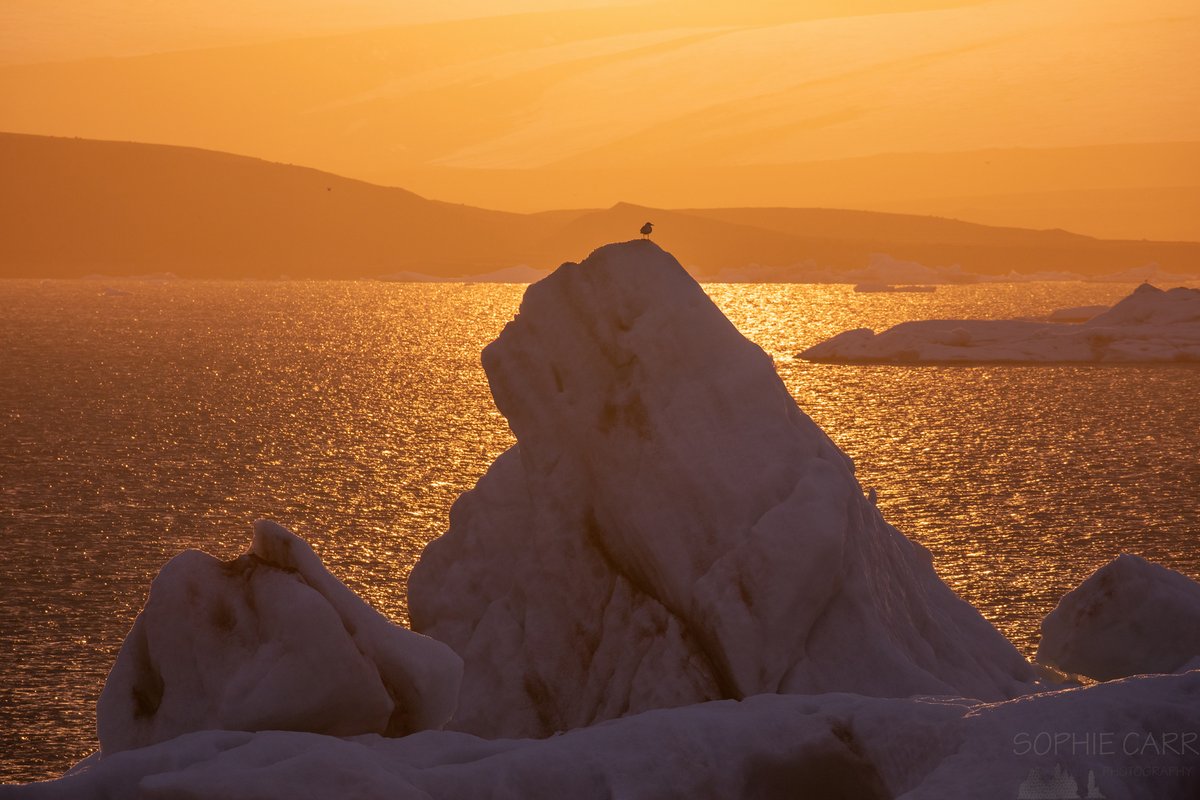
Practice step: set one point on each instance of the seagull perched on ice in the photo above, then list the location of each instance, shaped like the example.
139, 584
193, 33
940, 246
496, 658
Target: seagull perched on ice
647, 229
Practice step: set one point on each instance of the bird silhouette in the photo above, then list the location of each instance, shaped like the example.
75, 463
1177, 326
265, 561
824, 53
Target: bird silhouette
647, 229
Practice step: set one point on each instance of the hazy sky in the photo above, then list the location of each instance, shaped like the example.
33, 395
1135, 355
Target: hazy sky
493, 110
54, 30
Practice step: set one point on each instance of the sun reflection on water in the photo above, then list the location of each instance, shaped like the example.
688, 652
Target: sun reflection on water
137, 426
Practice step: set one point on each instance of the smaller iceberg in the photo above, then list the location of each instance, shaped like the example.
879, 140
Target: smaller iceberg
1076, 313
1130, 617
269, 641
1148, 326
521, 273
874, 288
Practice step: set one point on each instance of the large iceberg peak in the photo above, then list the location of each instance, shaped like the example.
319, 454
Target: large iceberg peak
670, 528
269, 641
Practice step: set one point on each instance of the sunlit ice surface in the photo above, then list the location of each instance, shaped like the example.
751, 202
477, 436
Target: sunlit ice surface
140, 418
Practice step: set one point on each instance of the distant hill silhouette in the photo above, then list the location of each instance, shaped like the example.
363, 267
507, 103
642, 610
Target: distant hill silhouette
77, 206
73, 207
881, 105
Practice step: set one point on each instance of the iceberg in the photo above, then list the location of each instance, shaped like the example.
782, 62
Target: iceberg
1148, 326
1129, 617
881, 270
876, 288
670, 528
520, 273
268, 641
1076, 313
1147, 273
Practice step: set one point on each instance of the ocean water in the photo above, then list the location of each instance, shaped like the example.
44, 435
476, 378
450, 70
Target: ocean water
138, 419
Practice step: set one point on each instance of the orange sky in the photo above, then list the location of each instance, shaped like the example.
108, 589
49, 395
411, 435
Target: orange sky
65, 30
668, 103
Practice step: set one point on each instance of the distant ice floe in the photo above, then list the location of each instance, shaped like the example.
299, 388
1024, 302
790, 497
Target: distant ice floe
886, 270
881, 270
521, 273
1076, 313
1148, 326
1130, 617
1150, 273
149, 277
869, 288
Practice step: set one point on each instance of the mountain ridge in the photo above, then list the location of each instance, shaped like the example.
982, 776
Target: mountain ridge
783, 108
79, 206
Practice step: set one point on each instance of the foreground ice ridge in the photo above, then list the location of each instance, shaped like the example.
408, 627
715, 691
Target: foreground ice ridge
763, 748
1129, 617
269, 641
1148, 326
670, 528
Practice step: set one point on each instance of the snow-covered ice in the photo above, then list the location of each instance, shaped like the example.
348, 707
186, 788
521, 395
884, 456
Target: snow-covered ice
1148, 273
768, 746
888, 270
267, 641
670, 528
1076, 313
521, 273
1148, 326
875, 288
1129, 617
881, 269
